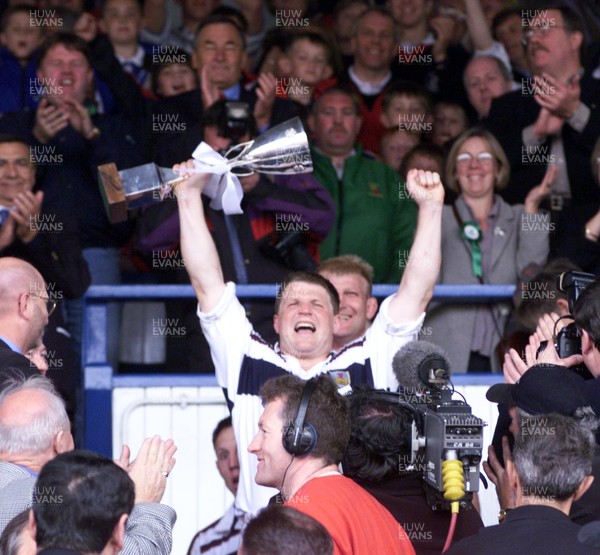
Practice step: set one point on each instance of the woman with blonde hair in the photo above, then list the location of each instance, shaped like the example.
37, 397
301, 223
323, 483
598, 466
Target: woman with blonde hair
484, 240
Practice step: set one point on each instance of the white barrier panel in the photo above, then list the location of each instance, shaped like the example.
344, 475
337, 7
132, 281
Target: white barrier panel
481, 407
189, 415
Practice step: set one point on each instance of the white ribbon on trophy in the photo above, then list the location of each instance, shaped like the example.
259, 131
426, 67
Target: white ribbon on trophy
224, 188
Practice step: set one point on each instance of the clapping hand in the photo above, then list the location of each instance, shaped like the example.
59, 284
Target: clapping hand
150, 469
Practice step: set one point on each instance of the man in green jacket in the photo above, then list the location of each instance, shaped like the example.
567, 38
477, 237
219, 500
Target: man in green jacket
375, 218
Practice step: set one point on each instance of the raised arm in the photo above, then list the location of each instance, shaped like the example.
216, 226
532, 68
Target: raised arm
197, 246
481, 35
416, 287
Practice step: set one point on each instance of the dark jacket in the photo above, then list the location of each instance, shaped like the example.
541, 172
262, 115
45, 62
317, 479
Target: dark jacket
15, 82
405, 498
70, 182
11, 361
528, 530
56, 254
512, 112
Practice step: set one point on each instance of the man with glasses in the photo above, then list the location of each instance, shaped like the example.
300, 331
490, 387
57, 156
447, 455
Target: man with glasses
553, 119
49, 243
29, 230
24, 312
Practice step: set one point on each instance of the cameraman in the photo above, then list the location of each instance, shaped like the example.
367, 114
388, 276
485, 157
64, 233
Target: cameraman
378, 458
541, 350
544, 389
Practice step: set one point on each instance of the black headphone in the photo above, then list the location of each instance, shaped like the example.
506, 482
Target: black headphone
300, 438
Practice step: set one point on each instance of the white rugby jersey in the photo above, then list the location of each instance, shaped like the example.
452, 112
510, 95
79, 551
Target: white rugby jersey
244, 361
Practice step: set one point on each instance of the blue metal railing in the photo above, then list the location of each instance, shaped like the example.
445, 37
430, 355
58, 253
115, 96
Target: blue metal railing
99, 378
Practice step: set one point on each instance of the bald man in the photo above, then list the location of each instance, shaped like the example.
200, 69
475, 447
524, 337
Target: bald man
24, 311
35, 428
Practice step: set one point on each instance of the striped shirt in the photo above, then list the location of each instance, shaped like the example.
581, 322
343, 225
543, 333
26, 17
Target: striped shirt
222, 537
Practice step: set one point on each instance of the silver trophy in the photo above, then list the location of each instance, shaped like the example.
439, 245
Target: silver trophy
283, 149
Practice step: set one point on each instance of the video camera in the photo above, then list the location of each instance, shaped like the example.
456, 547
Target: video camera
233, 120
568, 340
447, 439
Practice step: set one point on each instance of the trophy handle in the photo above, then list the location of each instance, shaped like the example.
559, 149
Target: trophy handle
236, 161
113, 195
281, 150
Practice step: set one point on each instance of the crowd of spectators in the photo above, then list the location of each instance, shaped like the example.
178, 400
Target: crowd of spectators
128, 82
500, 98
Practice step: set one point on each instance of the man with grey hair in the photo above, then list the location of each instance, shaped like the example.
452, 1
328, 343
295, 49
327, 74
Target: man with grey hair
551, 467
34, 429
545, 388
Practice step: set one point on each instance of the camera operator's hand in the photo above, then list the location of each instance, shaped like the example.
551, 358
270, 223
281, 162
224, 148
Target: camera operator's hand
547, 323
542, 351
545, 332
498, 475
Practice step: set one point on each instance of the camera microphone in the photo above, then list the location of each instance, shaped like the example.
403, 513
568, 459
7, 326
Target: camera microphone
446, 438
420, 366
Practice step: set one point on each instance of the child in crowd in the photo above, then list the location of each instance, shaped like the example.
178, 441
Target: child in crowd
449, 121
20, 37
121, 20
428, 157
174, 74
395, 144
307, 63
274, 45
424, 156
407, 107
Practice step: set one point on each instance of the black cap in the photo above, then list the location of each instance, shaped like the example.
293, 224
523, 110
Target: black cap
544, 388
